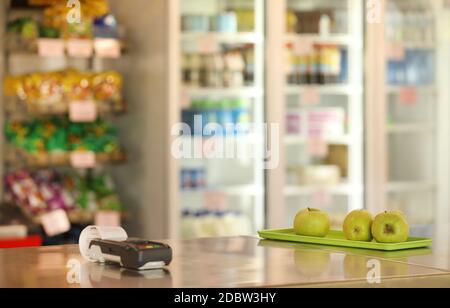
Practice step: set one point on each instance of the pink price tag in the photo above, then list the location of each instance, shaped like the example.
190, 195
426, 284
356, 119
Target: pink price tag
185, 101
108, 219
207, 44
303, 46
83, 111
80, 48
107, 48
408, 96
318, 147
55, 223
51, 48
214, 200
310, 96
395, 52
82, 159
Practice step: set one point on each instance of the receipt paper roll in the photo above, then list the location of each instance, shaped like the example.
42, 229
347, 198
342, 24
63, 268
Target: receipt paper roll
99, 233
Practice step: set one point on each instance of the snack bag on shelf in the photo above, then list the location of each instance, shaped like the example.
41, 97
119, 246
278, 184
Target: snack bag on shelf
51, 92
22, 34
76, 86
25, 192
56, 16
107, 86
49, 141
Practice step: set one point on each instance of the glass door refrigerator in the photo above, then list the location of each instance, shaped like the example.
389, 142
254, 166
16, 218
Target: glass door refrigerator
321, 108
415, 115
219, 147
414, 104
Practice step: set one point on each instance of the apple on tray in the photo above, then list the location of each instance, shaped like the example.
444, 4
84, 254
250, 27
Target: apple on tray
358, 226
312, 222
390, 227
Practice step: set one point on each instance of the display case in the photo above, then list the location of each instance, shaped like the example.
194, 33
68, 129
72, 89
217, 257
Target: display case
411, 127
222, 106
322, 113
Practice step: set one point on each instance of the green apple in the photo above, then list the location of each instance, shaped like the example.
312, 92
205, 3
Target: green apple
358, 226
312, 222
390, 227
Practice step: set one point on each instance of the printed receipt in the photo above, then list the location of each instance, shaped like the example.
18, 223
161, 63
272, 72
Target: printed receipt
99, 233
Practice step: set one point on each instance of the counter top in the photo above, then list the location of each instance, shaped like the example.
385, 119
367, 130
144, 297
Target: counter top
228, 262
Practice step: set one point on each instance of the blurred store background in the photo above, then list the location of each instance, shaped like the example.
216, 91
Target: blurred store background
89, 108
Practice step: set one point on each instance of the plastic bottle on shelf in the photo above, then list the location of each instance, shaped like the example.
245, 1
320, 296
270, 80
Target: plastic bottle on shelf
249, 59
214, 70
314, 65
225, 116
195, 66
235, 67
411, 72
241, 116
226, 22
343, 75
186, 69
325, 25
291, 69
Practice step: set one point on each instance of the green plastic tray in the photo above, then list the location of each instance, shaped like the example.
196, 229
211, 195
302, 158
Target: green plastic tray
336, 238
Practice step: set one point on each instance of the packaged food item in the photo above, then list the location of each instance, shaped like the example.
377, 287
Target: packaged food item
59, 136
291, 22
208, 223
195, 23
293, 123
226, 22
338, 156
44, 191
106, 26
55, 16
245, 20
22, 34
50, 92
326, 122
320, 175
107, 86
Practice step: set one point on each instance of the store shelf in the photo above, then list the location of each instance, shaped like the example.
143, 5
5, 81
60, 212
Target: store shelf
411, 128
415, 45
337, 39
223, 38
244, 92
406, 187
425, 90
339, 190
237, 190
301, 140
81, 51
18, 110
18, 158
331, 89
